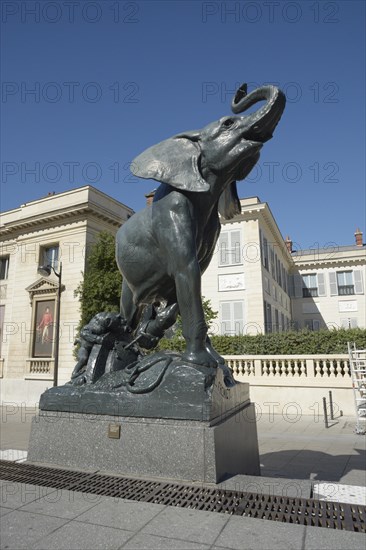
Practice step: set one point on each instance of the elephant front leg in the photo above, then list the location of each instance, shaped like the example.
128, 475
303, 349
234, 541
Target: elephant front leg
188, 287
211, 350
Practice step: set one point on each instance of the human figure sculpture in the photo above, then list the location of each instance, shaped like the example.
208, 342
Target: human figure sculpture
162, 250
104, 328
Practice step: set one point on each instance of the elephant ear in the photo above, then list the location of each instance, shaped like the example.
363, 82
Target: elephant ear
174, 161
229, 204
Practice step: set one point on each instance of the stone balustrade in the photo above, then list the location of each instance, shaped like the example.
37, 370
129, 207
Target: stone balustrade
298, 368
40, 369
300, 379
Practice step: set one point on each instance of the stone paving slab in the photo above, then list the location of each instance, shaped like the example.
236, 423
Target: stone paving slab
4, 510
318, 538
242, 533
152, 542
124, 514
14, 495
63, 504
187, 525
84, 536
23, 530
337, 492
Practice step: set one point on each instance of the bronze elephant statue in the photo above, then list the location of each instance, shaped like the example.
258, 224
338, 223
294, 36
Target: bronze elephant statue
163, 250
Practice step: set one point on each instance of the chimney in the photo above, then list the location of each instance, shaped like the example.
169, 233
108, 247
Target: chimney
150, 197
288, 243
358, 235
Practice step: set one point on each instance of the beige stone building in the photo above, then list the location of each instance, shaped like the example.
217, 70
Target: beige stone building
257, 283
329, 287
248, 281
54, 229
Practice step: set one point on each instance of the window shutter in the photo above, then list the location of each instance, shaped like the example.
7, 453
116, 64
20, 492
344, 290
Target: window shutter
350, 322
333, 283
238, 317
357, 275
225, 312
261, 246
321, 285
224, 249
298, 284
235, 247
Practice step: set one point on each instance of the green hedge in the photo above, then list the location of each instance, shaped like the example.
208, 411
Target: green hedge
284, 343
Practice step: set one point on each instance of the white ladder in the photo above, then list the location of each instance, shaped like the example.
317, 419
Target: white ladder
357, 360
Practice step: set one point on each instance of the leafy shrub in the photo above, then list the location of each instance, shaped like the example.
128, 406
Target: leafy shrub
284, 343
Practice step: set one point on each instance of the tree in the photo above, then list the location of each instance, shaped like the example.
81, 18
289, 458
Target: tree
101, 288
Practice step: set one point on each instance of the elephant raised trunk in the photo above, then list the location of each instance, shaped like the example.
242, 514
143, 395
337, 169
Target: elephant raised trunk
265, 120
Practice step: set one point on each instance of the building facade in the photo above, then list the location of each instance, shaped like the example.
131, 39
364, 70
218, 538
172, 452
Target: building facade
329, 287
248, 280
49, 231
258, 284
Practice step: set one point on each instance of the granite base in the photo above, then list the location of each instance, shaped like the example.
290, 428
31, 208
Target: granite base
171, 449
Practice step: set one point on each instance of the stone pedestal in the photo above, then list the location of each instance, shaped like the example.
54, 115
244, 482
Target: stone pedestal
187, 450
161, 418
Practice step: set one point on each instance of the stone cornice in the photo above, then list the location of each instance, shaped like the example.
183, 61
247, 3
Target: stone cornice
65, 216
329, 263
42, 286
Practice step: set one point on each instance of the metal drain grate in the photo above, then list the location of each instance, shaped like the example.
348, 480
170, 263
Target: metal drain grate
317, 513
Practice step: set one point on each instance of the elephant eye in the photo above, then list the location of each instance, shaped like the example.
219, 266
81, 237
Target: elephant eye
228, 122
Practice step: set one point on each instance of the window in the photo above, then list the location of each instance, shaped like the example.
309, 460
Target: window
230, 248
265, 253
350, 322
312, 324
266, 285
49, 256
267, 317
4, 267
345, 283
272, 259
310, 286
2, 314
232, 317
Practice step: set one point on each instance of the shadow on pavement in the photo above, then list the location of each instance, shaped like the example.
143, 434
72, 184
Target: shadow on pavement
315, 465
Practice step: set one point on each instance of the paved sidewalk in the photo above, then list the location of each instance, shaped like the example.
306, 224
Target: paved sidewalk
44, 519
294, 455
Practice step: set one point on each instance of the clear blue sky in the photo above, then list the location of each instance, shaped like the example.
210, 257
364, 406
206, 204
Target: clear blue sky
112, 78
